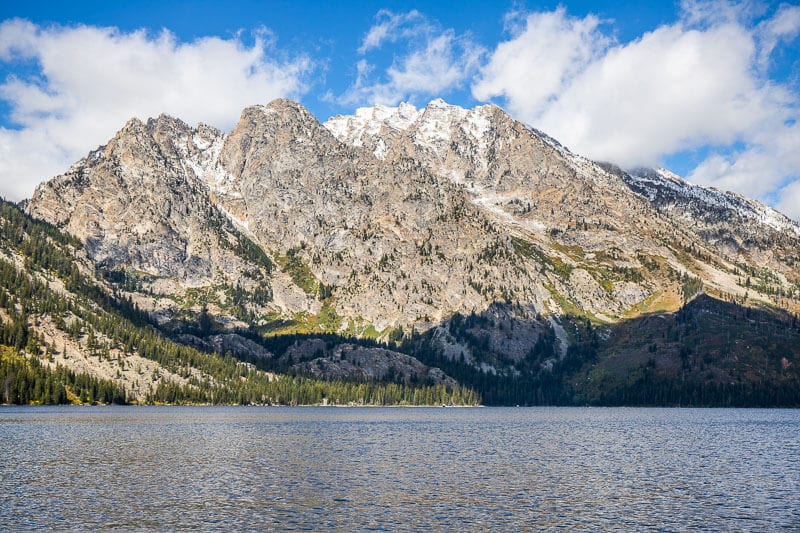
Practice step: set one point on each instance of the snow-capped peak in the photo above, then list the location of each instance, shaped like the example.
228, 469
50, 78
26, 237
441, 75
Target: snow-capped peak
430, 126
368, 121
438, 103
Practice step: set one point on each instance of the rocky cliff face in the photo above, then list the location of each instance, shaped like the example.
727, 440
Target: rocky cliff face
132, 204
391, 242
393, 221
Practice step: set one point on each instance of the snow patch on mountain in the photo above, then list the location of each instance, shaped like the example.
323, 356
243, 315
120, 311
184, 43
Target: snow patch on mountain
459, 144
368, 121
493, 203
200, 156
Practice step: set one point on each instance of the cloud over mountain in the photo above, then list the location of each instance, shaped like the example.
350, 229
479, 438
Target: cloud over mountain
702, 81
710, 88
88, 80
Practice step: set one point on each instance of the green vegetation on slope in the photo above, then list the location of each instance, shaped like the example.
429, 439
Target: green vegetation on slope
292, 264
710, 352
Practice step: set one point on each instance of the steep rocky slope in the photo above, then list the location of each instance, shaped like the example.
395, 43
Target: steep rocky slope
56, 309
761, 240
542, 192
143, 215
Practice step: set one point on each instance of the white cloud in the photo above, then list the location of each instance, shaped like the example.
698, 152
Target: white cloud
705, 13
691, 84
393, 26
789, 202
672, 89
545, 54
433, 61
90, 80
784, 26
761, 169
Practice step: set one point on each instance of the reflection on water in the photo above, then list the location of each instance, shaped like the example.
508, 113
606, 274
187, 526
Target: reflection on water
398, 469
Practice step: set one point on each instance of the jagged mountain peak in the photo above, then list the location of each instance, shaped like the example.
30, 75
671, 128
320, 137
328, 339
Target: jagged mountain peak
279, 104
138, 141
132, 124
404, 116
281, 110
432, 127
167, 124
279, 121
163, 123
669, 192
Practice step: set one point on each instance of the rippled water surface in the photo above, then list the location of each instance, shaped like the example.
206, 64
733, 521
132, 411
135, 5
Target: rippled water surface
398, 469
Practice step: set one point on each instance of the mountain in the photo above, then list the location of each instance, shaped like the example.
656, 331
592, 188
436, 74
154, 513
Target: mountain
455, 239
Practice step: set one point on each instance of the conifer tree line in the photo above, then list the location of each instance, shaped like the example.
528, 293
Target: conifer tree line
25, 381
286, 390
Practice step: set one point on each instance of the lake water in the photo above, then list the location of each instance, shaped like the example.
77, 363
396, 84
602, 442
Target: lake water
398, 469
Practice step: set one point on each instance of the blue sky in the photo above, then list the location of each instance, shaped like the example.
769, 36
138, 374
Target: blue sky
709, 89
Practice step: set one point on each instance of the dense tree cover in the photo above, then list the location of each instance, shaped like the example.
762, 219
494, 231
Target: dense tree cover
538, 378
651, 390
26, 381
285, 390
278, 344
690, 286
711, 352
527, 384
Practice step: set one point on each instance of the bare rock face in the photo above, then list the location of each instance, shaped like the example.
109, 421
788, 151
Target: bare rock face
135, 206
361, 363
141, 210
399, 219
395, 243
582, 215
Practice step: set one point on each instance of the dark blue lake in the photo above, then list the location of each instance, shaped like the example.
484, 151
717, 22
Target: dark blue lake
353, 469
